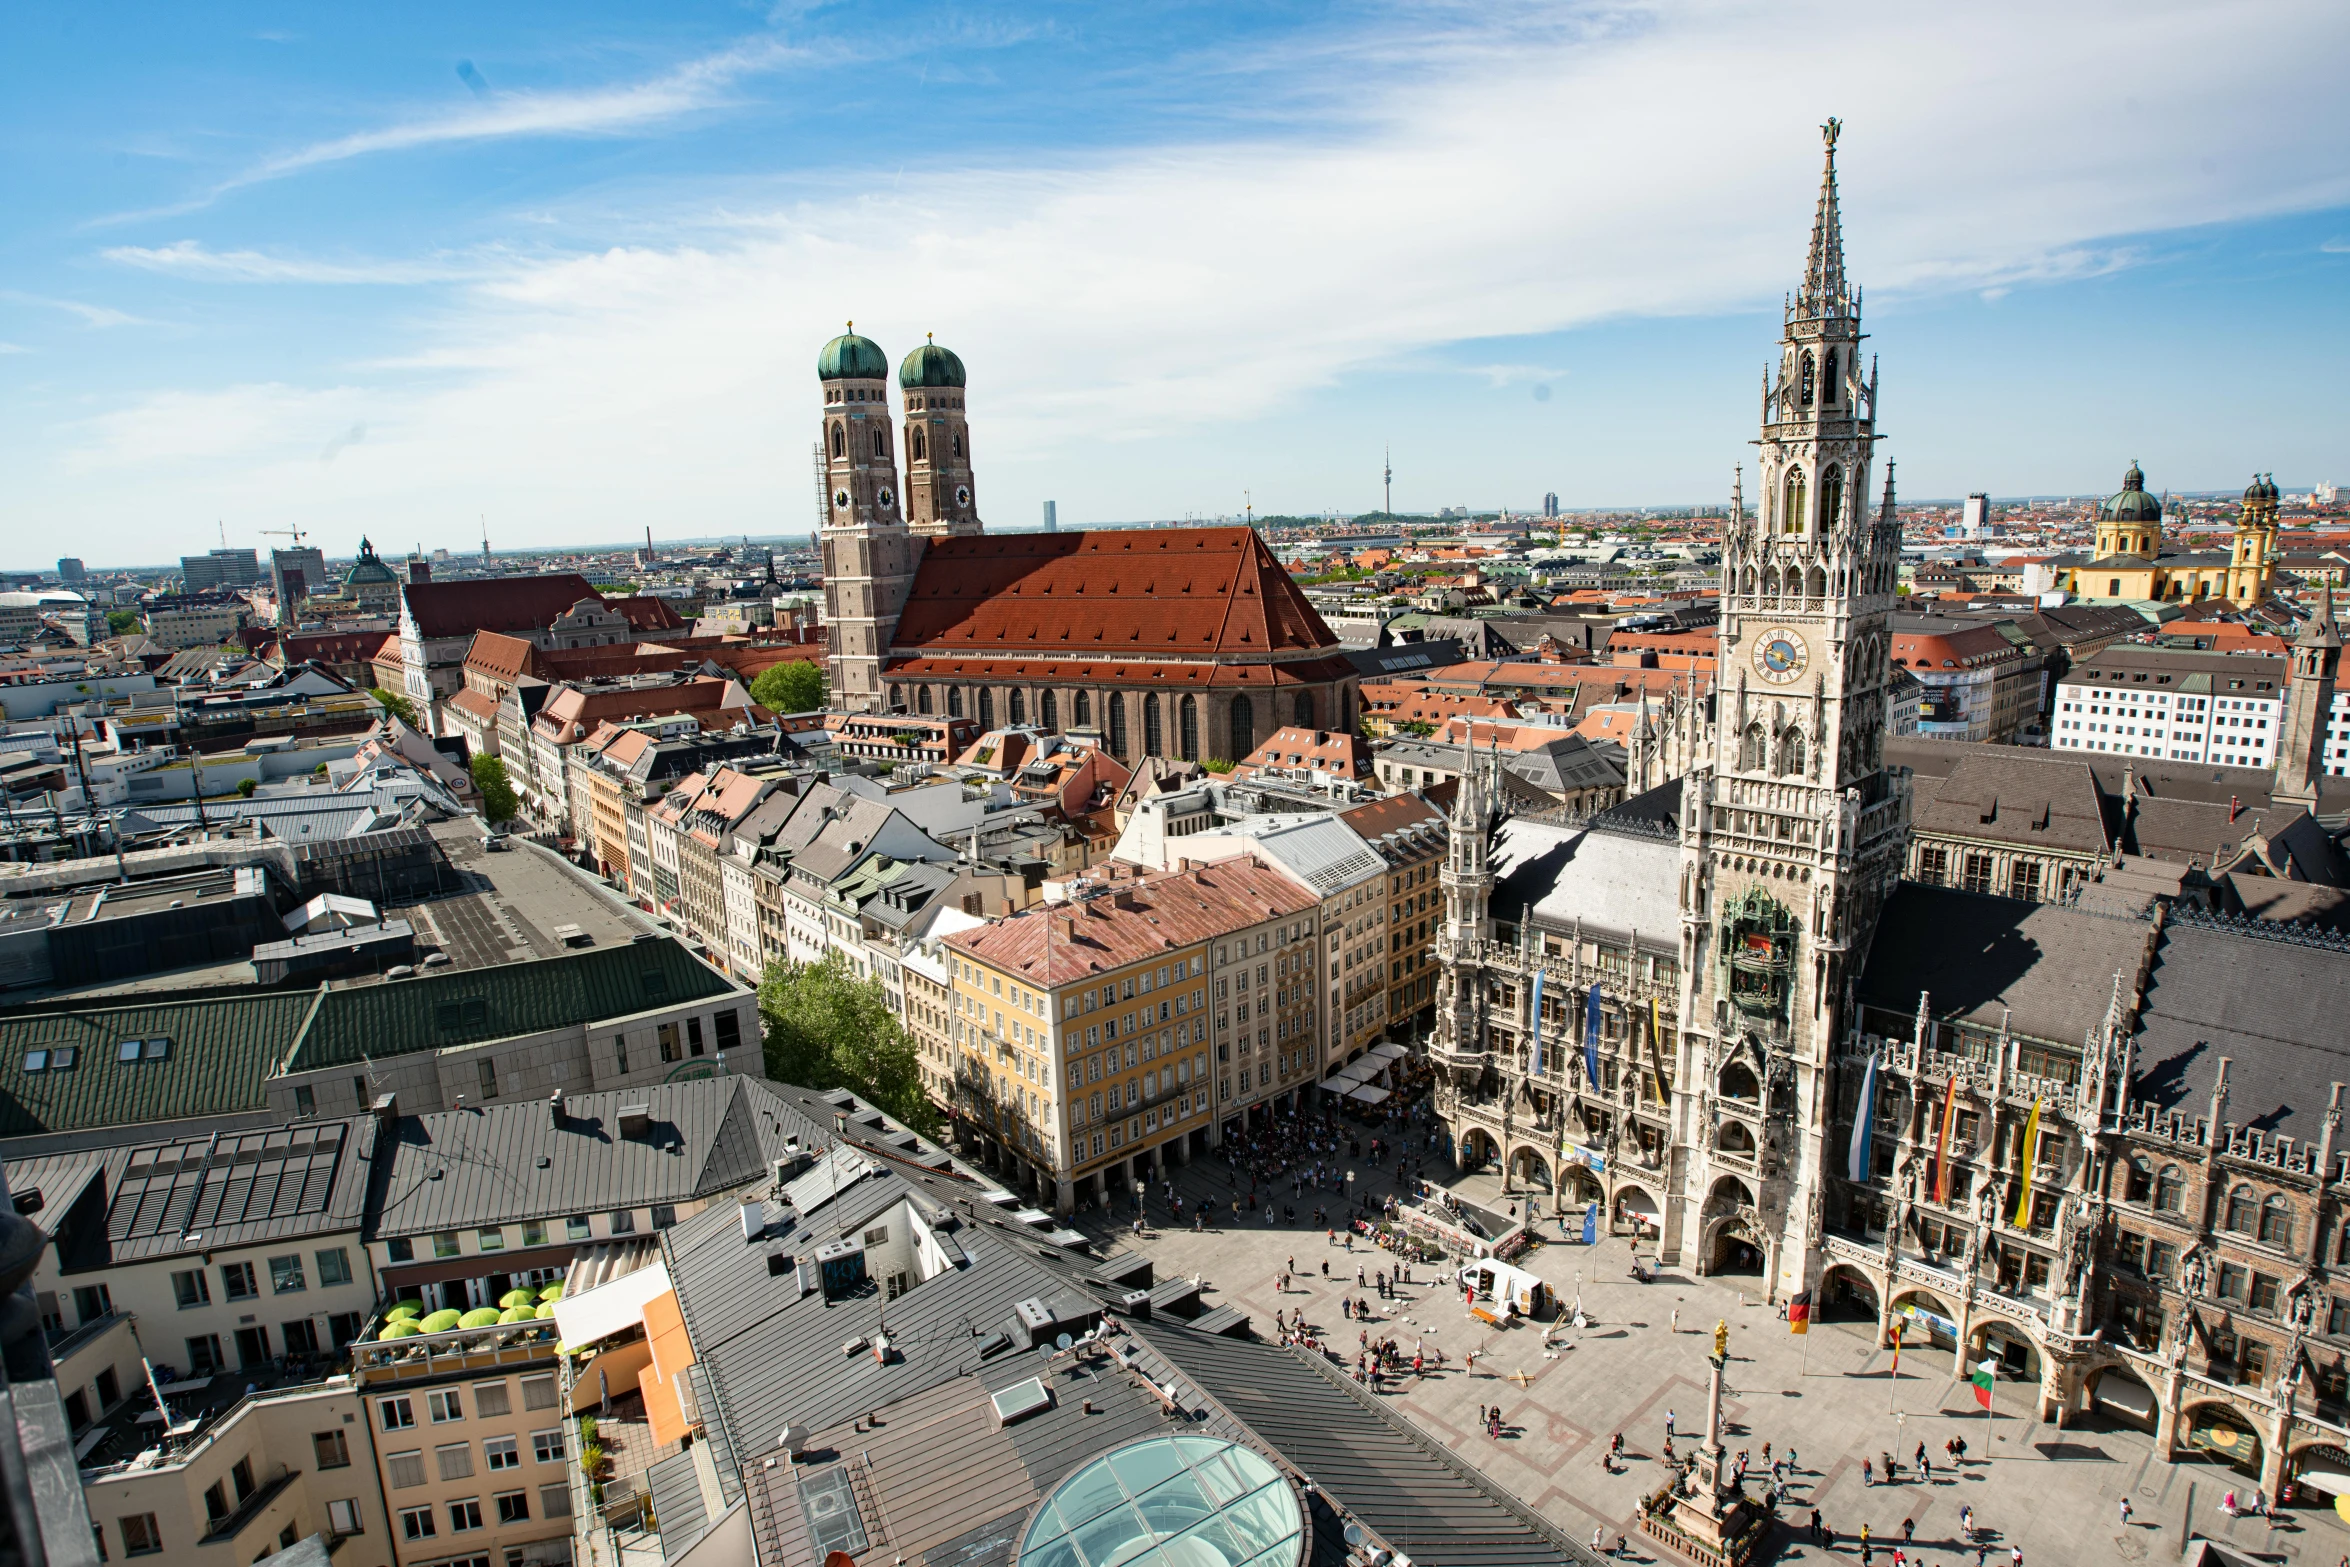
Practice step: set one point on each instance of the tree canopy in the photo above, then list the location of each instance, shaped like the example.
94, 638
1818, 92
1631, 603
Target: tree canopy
828, 1027
498, 802
796, 687
397, 705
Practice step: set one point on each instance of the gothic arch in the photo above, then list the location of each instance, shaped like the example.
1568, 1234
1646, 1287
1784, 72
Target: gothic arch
1016, 706
1187, 727
840, 441
1807, 390
1832, 497
1527, 1165
1154, 733
1081, 709
1791, 512
1828, 378
987, 707
881, 442
954, 701
1116, 703
1790, 752
922, 699
1815, 586
897, 699
1770, 582
1301, 711
916, 446
1244, 727
1737, 1081
1751, 754
1735, 1137
1048, 710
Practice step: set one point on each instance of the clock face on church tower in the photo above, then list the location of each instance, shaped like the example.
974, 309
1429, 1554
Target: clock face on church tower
1780, 655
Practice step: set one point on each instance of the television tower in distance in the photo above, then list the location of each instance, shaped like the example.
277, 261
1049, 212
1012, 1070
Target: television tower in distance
1387, 481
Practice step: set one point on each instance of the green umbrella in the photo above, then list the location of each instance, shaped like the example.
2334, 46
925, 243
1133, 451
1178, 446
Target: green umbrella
518, 1298
479, 1317
407, 1308
440, 1321
553, 1291
399, 1327
516, 1314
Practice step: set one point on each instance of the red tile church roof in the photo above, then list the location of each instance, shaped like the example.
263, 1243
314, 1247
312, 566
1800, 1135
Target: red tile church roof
1140, 593
456, 609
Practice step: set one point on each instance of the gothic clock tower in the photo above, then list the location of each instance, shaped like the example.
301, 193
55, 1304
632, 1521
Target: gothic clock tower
1791, 829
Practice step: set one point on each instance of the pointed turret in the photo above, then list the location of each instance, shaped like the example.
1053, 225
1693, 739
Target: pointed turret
2322, 630
1823, 292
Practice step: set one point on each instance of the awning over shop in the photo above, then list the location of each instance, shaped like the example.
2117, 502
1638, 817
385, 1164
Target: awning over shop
1367, 1094
1386, 1050
2325, 1474
2126, 1393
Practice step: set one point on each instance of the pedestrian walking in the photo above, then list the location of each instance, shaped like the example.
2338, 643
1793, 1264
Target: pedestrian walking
1966, 1523
1668, 1425
1909, 1530
1868, 1475
2125, 1512
1676, 1319
1818, 1533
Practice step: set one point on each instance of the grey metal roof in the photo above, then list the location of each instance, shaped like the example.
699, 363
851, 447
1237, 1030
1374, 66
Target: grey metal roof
1323, 851
1614, 882
2268, 998
677, 1503
495, 1164
1419, 1498
2048, 970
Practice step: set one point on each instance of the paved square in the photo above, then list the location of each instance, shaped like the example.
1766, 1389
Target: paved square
2056, 1493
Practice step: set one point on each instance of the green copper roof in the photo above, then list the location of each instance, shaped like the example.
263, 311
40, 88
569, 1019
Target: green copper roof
930, 365
2131, 503
849, 357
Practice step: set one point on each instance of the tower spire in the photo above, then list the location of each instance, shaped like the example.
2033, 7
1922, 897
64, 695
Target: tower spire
1823, 291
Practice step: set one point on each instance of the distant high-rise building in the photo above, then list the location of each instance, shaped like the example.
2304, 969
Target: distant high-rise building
1550, 504
69, 569
220, 569
294, 575
1052, 517
1976, 516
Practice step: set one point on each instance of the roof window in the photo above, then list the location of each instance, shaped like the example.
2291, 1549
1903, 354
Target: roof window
36, 1061
142, 1050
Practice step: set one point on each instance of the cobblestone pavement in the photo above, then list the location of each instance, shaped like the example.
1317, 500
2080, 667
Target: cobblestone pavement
1829, 1394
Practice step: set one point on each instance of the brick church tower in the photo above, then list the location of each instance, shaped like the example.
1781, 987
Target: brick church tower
869, 556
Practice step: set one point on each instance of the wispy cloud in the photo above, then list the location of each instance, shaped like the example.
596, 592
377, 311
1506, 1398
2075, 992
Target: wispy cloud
2337, 247
88, 314
14, 348
189, 259
698, 84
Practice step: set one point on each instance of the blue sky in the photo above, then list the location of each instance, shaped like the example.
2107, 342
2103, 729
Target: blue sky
399, 269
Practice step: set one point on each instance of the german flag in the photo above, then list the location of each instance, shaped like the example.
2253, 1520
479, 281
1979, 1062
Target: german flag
1799, 1312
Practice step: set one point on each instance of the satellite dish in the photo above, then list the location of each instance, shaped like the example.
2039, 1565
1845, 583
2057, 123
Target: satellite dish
1063, 1341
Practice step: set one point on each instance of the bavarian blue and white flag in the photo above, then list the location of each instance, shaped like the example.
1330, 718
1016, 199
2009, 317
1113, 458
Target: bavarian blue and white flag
1591, 1036
1856, 1160
1537, 1022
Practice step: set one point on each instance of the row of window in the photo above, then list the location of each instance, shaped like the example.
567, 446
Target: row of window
454, 1460
465, 1515
240, 1280
2268, 1219
447, 1405
491, 1238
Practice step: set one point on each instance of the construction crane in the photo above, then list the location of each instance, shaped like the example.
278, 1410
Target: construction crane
294, 533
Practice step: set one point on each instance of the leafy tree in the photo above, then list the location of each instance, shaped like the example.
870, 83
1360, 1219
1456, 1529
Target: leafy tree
245, 787
1417, 728
797, 687
397, 705
498, 803
1216, 764
828, 1028
122, 622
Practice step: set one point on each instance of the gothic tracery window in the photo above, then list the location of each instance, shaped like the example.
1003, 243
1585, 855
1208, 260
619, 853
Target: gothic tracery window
1832, 496
918, 443
1804, 391
840, 445
1082, 708
881, 443
1828, 379
1791, 503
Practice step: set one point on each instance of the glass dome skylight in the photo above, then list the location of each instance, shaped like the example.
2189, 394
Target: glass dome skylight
1169, 1501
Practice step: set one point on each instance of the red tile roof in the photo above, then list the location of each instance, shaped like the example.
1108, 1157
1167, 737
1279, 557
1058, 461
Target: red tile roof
456, 609
1139, 672
646, 612
1056, 944
1327, 750
504, 657
328, 647
1138, 592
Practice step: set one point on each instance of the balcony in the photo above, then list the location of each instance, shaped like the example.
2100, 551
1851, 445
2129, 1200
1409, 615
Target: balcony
227, 1528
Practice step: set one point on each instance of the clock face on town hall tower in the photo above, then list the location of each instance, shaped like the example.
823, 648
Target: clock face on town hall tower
1780, 656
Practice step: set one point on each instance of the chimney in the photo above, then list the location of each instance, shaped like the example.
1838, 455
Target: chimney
1068, 926
555, 1116
386, 1107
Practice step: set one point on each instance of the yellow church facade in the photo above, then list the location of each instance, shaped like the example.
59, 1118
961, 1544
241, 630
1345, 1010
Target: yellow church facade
2130, 562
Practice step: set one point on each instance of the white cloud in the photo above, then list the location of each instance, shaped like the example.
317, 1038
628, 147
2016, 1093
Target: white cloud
189, 259
1661, 164
88, 314
14, 348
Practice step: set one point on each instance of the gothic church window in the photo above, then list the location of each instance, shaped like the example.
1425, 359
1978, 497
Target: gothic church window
1750, 749
1244, 727
1018, 706
1832, 496
1082, 708
1303, 710
881, 443
920, 447
1791, 753
1117, 706
1048, 708
1187, 728
954, 701
1828, 380
958, 445
840, 445
1154, 736
1804, 395
1791, 503
922, 699
986, 707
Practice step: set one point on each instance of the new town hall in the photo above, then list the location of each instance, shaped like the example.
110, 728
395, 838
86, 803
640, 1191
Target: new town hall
1678, 1009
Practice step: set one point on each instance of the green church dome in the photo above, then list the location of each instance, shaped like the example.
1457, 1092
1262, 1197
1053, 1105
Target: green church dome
369, 567
2131, 503
849, 357
930, 365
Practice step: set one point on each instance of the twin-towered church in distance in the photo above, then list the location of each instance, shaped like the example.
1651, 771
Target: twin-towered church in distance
1176, 642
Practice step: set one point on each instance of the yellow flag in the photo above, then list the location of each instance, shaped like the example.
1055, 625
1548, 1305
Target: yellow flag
2031, 1153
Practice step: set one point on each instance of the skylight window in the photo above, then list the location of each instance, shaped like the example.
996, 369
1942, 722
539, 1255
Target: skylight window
36, 1061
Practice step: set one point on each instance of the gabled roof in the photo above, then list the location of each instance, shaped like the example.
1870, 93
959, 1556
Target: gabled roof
647, 612
2047, 970
2269, 998
1620, 880
500, 656
1137, 592
1051, 945
493, 1164
219, 1053
456, 609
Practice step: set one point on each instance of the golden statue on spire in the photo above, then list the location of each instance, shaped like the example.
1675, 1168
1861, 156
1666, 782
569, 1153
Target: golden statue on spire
1830, 131
1722, 1340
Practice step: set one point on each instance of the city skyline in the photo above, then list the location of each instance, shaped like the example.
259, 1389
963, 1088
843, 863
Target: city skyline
391, 276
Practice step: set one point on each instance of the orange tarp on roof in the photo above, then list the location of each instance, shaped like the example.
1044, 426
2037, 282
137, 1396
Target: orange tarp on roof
660, 1381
